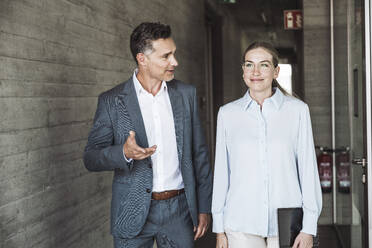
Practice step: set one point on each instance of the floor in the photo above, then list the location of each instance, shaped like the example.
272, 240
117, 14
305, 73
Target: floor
327, 239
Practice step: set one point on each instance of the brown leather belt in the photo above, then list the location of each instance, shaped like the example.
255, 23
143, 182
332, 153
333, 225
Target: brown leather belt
166, 194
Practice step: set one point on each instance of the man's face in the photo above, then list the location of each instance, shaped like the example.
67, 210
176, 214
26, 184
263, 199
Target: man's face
161, 62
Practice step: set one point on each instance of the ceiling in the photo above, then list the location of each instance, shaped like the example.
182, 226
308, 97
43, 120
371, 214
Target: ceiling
262, 13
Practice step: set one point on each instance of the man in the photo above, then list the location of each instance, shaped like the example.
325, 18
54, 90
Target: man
147, 131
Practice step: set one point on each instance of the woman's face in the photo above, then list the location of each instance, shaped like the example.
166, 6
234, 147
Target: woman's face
259, 71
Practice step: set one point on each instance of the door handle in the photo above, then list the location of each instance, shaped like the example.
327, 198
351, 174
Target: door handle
360, 161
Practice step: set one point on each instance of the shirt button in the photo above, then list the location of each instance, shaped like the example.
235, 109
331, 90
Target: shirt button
148, 190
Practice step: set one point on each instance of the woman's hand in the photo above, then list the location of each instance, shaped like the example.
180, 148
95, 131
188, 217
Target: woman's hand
303, 240
221, 240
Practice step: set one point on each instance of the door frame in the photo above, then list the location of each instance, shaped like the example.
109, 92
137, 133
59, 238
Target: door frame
367, 16
214, 71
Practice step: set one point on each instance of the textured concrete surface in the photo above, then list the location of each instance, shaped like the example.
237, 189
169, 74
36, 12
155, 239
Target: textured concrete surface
317, 68
317, 79
56, 57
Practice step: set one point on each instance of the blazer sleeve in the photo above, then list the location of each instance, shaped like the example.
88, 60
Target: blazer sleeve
201, 161
100, 152
308, 174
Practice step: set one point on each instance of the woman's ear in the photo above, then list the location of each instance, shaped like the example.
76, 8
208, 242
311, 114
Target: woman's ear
276, 71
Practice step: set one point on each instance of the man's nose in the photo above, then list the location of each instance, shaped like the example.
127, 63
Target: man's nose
174, 61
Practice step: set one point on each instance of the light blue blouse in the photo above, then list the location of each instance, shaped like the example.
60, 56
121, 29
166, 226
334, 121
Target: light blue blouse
265, 160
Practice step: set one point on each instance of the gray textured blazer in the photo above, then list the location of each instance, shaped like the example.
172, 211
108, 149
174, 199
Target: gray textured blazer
117, 113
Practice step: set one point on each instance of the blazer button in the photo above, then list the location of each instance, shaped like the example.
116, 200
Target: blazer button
148, 190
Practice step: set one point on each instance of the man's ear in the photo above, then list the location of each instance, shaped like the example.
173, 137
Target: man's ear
141, 59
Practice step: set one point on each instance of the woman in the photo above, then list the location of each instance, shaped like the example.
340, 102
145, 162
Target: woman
265, 160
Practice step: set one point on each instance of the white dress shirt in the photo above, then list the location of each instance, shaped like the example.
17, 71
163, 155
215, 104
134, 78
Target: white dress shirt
159, 125
265, 160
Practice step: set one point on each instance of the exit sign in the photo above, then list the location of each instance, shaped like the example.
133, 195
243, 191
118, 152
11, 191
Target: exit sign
293, 19
228, 1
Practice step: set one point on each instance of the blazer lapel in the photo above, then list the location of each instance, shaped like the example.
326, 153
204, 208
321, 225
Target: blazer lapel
130, 101
176, 100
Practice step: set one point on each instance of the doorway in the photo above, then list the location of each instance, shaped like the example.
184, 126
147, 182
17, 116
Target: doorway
351, 118
214, 73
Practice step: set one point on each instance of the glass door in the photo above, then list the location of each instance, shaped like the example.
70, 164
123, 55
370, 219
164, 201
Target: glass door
357, 112
351, 111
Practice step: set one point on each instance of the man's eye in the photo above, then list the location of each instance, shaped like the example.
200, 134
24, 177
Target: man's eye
265, 65
249, 65
168, 55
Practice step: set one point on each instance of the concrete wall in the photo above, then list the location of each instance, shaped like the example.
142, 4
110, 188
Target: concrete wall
317, 79
234, 86
317, 68
56, 57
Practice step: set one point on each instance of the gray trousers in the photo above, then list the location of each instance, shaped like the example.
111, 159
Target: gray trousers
168, 222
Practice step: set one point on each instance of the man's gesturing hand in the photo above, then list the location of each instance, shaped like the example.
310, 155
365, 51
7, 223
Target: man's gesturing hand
133, 151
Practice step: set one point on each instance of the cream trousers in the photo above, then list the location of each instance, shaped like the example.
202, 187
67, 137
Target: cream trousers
245, 240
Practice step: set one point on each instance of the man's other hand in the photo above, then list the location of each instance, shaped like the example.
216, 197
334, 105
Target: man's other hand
204, 220
133, 151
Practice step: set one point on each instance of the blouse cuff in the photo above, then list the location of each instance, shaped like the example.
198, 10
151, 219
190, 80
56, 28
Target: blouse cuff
218, 223
309, 223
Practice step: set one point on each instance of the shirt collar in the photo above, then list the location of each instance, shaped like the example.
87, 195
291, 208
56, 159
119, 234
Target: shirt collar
247, 100
138, 86
277, 98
